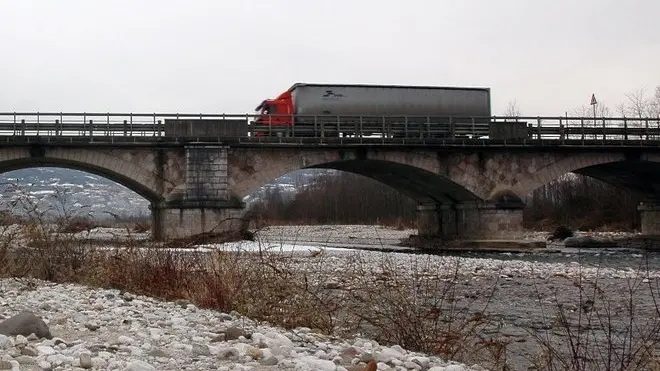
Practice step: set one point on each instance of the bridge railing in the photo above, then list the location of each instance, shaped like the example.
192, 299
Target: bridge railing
590, 128
320, 128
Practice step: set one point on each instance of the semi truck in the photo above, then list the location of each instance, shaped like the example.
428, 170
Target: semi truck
308, 109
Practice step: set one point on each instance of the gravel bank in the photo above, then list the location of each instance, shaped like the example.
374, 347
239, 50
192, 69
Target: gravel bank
108, 330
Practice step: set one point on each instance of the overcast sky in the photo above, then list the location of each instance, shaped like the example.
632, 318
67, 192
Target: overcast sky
217, 56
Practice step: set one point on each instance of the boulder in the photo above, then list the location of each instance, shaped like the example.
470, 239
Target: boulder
25, 323
560, 233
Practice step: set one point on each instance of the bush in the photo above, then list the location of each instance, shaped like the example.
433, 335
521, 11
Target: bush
561, 233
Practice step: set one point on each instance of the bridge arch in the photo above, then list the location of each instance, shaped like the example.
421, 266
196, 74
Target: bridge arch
115, 169
555, 169
414, 174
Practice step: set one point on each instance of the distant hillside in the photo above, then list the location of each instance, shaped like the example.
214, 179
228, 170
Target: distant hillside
66, 190
69, 191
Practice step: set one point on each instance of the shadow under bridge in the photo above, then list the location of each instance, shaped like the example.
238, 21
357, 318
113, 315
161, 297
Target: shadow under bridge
425, 187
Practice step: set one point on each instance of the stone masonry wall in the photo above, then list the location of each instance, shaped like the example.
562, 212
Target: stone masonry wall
206, 173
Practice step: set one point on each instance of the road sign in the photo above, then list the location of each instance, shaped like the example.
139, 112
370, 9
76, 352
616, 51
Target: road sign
593, 99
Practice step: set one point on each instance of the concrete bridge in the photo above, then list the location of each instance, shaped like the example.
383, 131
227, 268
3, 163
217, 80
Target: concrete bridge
465, 188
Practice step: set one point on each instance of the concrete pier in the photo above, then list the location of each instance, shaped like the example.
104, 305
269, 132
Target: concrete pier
474, 220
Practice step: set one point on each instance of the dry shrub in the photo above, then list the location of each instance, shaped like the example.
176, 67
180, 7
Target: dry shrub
76, 225
602, 328
141, 226
426, 310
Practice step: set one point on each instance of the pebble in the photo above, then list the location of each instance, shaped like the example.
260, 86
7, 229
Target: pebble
138, 333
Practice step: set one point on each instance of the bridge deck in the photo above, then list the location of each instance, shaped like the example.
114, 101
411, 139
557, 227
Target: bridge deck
176, 129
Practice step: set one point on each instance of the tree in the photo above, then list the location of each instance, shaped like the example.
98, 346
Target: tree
512, 109
655, 103
638, 104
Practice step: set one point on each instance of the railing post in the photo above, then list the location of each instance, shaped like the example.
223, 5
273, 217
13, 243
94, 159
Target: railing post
130, 117
538, 127
37, 123
625, 128
582, 128
14, 123
604, 131
361, 128
384, 132
160, 127
646, 121
428, 126
57, 125
561, 130
107, 124
22, 127
91, 129
61, 123
405, 127
125, 128
338, 127
452, 129
84, 129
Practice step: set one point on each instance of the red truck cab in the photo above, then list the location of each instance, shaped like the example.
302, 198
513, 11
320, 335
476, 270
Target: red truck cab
276, 112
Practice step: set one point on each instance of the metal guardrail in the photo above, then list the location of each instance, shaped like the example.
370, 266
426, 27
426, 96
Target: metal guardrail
146, 127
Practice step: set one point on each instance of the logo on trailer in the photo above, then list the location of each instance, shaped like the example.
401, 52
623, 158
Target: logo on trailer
329, 94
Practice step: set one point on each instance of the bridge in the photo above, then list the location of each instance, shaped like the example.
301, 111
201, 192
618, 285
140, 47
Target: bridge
468, 175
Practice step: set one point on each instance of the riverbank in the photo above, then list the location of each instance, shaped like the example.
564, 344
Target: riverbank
491, 309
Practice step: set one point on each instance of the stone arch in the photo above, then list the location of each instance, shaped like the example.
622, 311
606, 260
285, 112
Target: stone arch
554, 170
417, 174
116, 169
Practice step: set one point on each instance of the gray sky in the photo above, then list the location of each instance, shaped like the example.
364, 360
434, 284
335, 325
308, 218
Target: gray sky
218, 56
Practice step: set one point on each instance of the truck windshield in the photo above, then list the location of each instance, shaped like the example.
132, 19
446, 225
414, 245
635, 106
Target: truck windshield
265, 108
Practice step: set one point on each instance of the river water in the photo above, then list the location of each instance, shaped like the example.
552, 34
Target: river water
601, 299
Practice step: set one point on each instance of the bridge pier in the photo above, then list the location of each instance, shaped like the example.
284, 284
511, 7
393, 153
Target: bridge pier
650, 217
204, 204
436, 220
186, 219
470, 221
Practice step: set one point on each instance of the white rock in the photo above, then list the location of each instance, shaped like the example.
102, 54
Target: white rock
6, 342
20, 340
422, 361
316, 364
126, 340
386, 355
139, 366
45, 350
